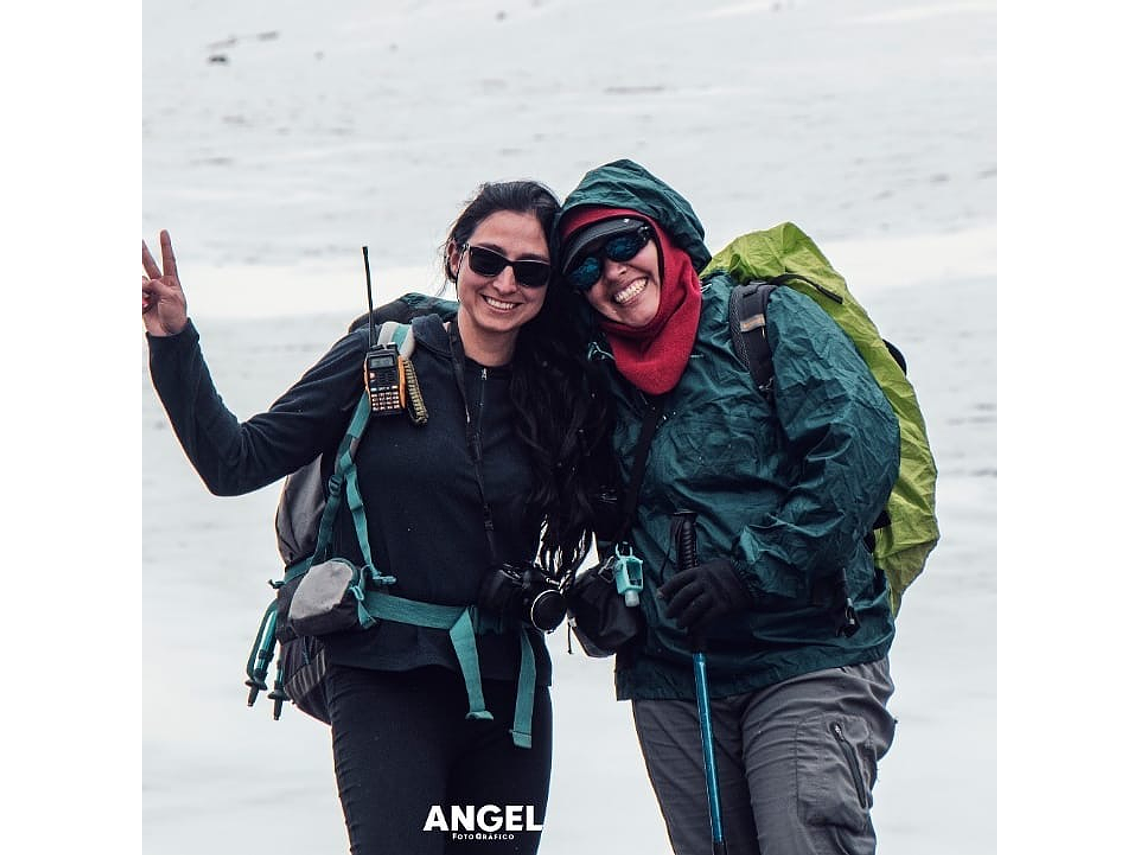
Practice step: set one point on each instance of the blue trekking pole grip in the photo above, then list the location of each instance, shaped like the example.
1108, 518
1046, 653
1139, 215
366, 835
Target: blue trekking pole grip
686, 534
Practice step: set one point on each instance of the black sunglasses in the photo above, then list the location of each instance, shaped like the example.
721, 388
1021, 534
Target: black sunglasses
620, 248
487, 262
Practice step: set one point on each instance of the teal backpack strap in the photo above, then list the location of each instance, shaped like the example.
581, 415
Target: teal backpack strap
456, 620
343, 483
345, 467
460, 623
524, 698
405, 341
398, 334
342, 480
344, 486
462, 634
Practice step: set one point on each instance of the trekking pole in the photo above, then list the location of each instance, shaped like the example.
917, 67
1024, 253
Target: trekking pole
686, 535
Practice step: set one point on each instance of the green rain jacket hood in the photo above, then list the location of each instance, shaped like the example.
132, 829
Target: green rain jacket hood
784, 489
625, 184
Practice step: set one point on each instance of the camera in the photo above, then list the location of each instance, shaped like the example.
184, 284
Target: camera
524, 593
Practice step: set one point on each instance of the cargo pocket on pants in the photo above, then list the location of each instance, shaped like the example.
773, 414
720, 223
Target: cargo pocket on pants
833, 781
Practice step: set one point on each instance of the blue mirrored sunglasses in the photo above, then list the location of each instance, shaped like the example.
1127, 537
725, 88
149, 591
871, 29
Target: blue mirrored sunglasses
620, 248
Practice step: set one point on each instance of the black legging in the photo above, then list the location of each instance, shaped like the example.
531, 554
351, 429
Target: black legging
402, 745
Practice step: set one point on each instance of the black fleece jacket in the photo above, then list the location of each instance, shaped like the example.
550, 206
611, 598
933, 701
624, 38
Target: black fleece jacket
425, 521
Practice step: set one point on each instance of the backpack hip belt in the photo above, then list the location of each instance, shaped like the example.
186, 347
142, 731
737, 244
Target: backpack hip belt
462, 624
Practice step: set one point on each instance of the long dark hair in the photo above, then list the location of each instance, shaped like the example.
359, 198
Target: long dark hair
561, 418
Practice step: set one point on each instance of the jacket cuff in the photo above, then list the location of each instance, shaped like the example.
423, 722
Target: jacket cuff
188, 337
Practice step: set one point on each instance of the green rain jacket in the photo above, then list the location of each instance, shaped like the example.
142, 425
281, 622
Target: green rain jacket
785, 490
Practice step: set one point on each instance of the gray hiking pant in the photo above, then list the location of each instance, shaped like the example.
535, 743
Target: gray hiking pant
796, 763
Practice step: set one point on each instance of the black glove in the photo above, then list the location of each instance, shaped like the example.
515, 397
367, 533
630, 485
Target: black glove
704, 593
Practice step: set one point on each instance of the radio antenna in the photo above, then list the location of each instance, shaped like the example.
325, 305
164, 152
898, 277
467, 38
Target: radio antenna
368, 283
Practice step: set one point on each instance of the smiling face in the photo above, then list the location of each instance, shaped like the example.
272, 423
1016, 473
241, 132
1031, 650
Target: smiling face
629, 292
493, 308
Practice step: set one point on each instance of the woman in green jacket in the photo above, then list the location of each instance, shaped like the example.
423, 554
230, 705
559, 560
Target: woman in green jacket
784, 490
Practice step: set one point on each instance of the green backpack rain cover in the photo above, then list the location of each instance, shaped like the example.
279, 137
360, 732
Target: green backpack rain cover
902, 547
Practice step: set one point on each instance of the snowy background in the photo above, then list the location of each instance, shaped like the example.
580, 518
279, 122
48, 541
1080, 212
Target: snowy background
277, 139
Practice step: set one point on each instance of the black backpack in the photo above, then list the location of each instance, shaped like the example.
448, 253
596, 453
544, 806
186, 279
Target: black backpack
301, 662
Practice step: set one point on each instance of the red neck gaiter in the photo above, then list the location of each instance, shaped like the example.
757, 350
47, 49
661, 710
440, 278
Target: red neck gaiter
654, 356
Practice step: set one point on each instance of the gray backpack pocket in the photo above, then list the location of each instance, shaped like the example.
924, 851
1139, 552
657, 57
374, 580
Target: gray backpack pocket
329, 599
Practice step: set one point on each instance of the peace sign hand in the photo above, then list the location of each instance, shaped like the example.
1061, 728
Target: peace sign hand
163, 301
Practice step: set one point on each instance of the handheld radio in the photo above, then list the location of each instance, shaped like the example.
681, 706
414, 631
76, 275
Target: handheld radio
383, 375
383, 368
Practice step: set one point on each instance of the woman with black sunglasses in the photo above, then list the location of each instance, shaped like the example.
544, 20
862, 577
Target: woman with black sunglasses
457, 509
783, 489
